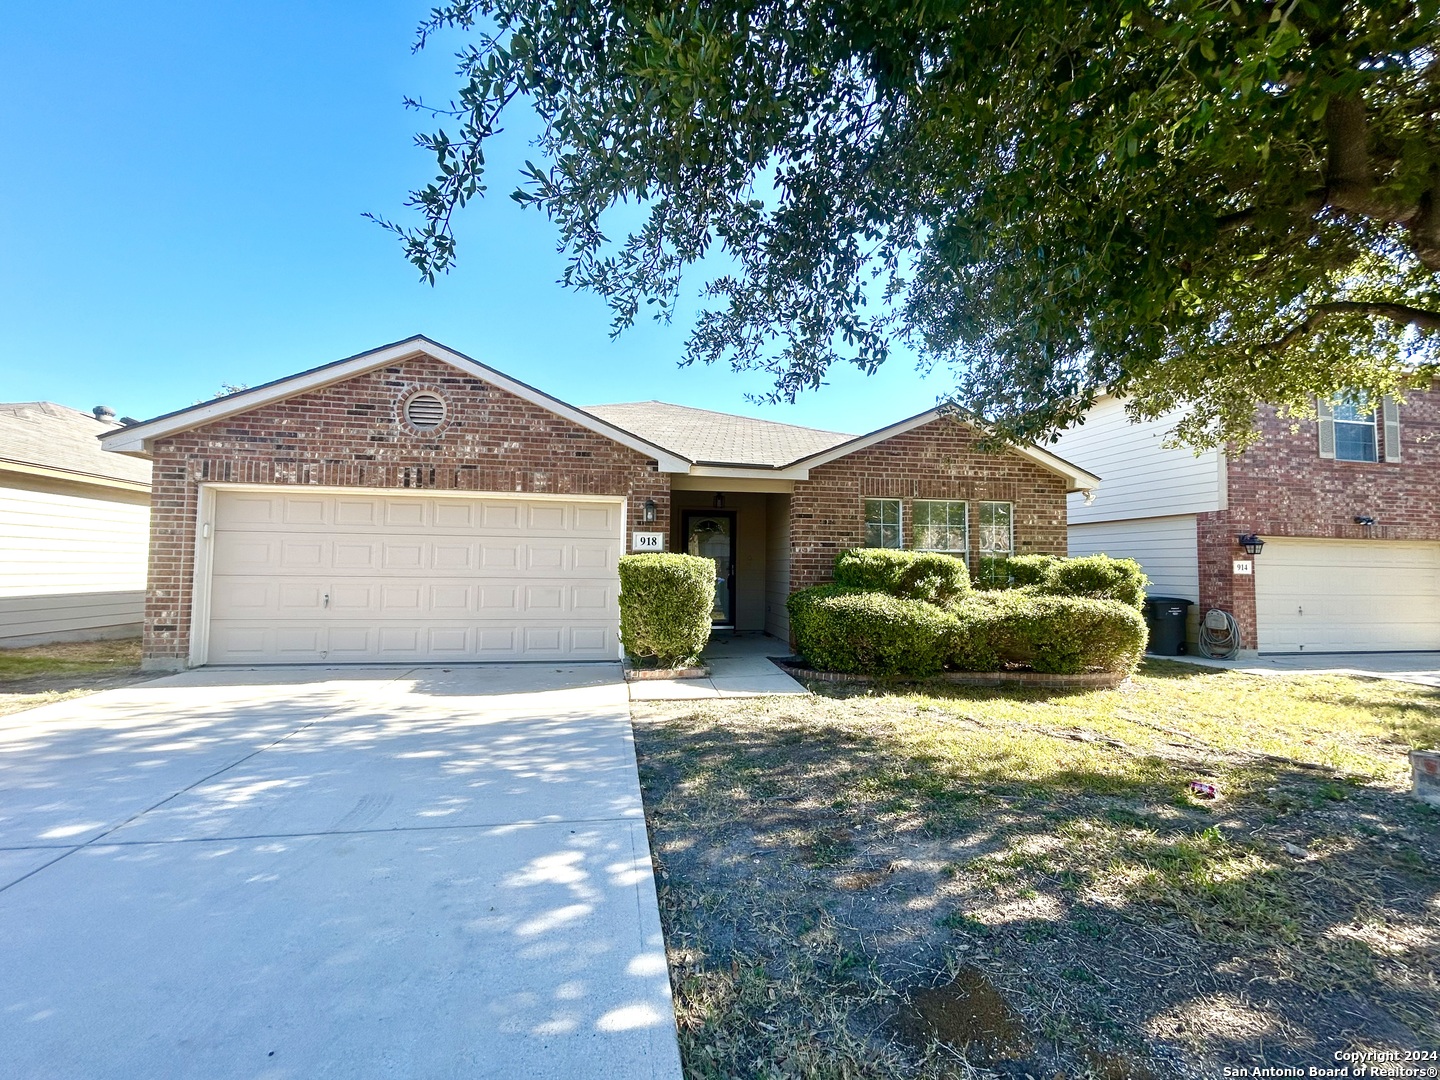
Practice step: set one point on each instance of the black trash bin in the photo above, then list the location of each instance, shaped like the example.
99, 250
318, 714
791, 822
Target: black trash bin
1166, 616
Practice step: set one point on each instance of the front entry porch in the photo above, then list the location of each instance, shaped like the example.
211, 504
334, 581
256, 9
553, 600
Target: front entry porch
747, 534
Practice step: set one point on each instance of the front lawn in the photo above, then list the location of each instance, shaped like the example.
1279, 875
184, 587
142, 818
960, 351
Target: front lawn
957, 881
42, 674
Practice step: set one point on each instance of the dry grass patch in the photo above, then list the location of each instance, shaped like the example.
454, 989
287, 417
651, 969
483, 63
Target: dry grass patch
41, 674
832, 868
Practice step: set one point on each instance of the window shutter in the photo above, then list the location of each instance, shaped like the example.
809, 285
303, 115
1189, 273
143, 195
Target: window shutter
1325, 421
1390, 410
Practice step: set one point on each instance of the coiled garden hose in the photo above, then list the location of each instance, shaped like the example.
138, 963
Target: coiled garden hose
1219, 635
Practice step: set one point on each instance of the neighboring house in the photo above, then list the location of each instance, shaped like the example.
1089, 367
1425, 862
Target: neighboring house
412, 504
1348, 507
74, 527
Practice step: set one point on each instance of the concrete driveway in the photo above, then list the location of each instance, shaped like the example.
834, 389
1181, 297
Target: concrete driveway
331, 873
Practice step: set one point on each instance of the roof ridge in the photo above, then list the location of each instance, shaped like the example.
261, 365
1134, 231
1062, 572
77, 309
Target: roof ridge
717, 412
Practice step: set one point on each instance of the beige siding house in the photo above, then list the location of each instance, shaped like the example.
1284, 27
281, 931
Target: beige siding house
74, 528
1148, 507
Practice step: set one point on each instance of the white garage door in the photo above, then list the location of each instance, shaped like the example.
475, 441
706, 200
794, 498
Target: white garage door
308, 578
1347, 595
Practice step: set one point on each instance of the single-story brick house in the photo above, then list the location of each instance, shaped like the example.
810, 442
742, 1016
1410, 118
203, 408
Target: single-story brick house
412, 504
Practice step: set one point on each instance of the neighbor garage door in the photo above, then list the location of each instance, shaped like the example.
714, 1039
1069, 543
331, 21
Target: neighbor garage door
1344, 595
307, 578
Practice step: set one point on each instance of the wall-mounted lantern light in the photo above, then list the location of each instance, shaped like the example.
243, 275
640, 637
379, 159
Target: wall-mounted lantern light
719, 502
649, 512
1252, 544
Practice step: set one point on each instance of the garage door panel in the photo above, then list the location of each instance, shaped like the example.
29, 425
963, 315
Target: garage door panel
237, 510
1344, 596
307, 578
304, 554
355, 555
595, 598
237, 551
244, 595
302, 511
498, 599
547, 518
361, 512
403, 554
454, 515
452, 599
300, 596
444, 556
597, 520
544, 556
405, 513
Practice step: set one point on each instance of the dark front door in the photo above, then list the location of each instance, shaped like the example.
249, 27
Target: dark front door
711, 535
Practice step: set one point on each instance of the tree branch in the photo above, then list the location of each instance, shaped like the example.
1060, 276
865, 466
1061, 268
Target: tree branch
1398, 313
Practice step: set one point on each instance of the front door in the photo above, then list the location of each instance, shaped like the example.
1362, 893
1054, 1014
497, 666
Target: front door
711, 535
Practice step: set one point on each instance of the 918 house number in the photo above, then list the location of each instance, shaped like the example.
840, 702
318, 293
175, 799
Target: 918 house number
647, 541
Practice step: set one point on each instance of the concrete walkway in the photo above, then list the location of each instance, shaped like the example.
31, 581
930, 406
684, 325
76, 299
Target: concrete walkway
1422, 668
307, 873
739, 667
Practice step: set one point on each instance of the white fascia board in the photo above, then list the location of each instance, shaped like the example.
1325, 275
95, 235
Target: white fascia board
138, 438
1077, 478
782, 472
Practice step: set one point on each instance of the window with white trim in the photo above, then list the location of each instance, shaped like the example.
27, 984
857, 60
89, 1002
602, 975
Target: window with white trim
941, 525
882, 523
1354, 417
997, 529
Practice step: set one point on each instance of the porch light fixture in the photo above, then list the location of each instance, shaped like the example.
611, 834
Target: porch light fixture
649, 513
1252, 544
719, 502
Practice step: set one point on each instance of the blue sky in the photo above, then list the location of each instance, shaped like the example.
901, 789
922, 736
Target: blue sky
181, 190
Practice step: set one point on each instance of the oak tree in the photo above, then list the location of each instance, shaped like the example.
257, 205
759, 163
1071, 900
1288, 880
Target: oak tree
1197, 204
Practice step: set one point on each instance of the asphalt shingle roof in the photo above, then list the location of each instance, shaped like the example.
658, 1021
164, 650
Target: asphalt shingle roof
56, 437
715, 437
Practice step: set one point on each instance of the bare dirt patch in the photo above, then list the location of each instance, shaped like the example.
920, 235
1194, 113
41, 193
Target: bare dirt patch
865, 884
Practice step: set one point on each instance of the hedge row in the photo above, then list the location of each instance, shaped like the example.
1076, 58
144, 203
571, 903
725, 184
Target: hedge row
872, 633
913, 613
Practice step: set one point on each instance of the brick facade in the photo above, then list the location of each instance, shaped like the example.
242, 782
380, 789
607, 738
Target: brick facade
1280, 486
939, 460
352, 435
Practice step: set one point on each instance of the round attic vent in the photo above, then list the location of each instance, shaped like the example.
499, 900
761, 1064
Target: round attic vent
425, 411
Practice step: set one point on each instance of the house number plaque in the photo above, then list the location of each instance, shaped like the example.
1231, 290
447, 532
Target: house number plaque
643, 541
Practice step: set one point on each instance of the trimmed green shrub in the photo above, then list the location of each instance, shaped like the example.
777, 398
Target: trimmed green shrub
1057, 634
1013, 571
666, 603
859, 632
1099, 577
1031, 569
908, 575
